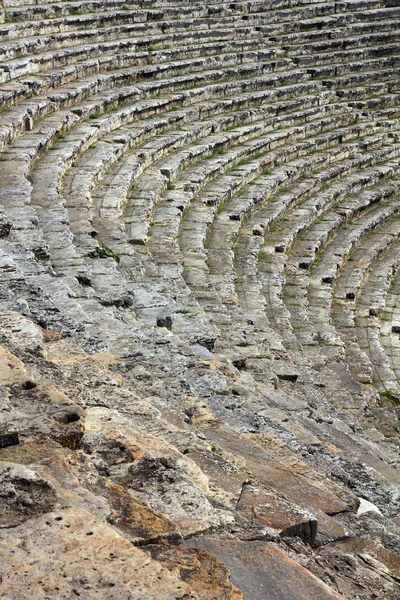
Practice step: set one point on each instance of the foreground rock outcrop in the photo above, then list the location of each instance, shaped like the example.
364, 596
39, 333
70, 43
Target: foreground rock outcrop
199, 263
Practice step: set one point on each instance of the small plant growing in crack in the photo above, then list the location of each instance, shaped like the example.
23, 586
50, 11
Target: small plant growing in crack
103, 251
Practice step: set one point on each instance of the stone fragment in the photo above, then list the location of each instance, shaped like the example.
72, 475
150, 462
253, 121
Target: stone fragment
366, 506
9, 436
374, 549
23, 494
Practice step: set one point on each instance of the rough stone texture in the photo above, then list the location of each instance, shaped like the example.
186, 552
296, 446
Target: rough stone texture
71, 550
199, 300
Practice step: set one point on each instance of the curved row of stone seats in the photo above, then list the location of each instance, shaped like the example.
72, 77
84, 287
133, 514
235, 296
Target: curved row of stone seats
71, 48
158, 47
167, 169
204, 13
135, 133
306, 250
25, 120
369, 304
389, 327
341, 32
29, 118
53, 10
235, 182
320, 296
6, 190
162, 241
80, 71
224, 263
132, 52
330, 55
346, 287
20, 66
176, 166
119, 55
218, 82
295, 292
77, 190
82, 194
51, 132
355, 355
168, 45
156, 26
44, 137
200, 175
51, 222
249, 245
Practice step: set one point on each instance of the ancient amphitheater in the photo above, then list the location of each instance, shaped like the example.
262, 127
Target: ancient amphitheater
200, 300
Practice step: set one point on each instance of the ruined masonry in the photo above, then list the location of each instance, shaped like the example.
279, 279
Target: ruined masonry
199, 300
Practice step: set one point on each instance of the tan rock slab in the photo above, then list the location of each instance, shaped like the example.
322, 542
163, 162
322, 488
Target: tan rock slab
295, 485
60, 478
264, 507
262, 572
70, 553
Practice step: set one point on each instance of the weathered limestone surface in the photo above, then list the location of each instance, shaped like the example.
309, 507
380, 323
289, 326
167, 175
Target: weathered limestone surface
199, 300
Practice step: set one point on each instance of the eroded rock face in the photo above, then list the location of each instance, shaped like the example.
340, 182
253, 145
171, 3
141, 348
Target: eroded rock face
199, 292
147, 472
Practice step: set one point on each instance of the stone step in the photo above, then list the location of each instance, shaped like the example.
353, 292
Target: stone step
22, 118
340, 32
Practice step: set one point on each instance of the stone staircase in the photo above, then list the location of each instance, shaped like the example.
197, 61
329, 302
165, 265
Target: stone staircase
199, 299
